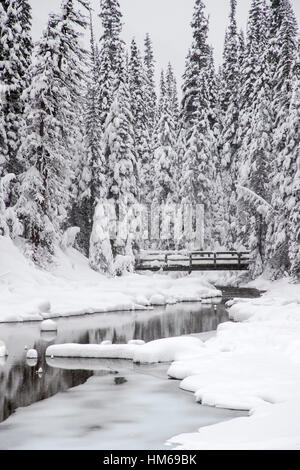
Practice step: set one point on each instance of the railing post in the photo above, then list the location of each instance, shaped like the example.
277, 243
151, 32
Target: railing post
215, 259
191, 263
166, 260
239, 260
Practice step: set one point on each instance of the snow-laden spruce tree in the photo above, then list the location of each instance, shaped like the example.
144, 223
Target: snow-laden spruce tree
260, 157
283, 57
198, 118
15, 58
292, 183
197, 62
286, 230
150, 89
110, 54
172, 93
142, 139
254, 138
121, 161
230, 109
283, 62
165, 155
43, 184
150, 104
89, 182
49, 134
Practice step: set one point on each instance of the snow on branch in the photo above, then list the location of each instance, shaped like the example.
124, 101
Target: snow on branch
261, 205
69, 236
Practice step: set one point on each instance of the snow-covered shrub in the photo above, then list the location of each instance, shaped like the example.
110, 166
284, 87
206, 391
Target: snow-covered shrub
69, 236
123, 264
100, 257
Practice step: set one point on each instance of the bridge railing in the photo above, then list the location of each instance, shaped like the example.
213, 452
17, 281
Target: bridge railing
193, 259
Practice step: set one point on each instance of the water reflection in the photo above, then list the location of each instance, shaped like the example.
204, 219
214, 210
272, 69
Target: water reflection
21, 385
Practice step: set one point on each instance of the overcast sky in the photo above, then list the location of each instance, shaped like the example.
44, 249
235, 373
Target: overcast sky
167, 21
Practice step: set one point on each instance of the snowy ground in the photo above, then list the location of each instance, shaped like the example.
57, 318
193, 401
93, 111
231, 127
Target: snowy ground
250, 365
72, 288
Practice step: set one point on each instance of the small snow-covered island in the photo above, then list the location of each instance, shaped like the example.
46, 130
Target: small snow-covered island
149, 225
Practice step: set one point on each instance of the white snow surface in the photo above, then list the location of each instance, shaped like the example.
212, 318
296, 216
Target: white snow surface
32, 354
251, 365
48, 325
73, 288
160, 350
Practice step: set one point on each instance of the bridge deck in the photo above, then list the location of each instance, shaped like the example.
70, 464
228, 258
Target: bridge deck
193, 261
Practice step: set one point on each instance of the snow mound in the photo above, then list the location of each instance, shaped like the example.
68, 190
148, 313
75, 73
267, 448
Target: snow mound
138, 342
43, 306
161, 350
99, 351
48, 325
157, 299
32, 354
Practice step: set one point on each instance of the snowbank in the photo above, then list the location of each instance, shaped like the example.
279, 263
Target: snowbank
48, 325
73, 288
254, 366
270, 428
161, 350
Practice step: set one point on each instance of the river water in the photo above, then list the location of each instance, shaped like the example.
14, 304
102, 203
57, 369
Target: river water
101, 404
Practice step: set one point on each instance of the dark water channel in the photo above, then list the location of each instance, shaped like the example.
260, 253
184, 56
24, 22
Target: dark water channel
21, 384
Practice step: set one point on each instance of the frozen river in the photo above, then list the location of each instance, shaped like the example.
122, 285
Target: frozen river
100, 404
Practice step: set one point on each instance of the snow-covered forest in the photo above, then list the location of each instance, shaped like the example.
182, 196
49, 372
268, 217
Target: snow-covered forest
79, 127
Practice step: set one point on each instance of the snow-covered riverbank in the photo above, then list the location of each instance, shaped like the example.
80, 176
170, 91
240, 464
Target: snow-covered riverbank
72, 288
250, 365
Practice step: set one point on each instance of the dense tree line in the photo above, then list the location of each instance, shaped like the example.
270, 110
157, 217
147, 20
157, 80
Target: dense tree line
79, 128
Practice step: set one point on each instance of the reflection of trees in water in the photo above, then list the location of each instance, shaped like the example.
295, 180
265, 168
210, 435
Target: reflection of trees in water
20, 385
181, 323
174, 320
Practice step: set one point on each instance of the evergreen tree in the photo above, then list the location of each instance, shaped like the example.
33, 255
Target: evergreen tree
251, 138
150, 109
195, 86
165, 155
260, 152
137, 86
150, 89
89, 178
110, 54
286, 235
198, 117
15, 58
229, 106
50, 133
172, 94
283, 58
121, 161
43, 185
292, 170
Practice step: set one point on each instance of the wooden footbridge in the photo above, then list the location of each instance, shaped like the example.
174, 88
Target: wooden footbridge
193, 261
